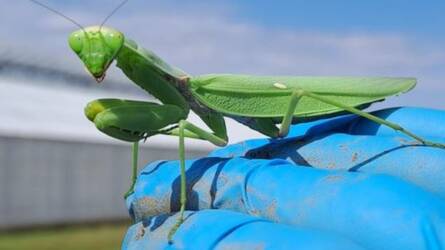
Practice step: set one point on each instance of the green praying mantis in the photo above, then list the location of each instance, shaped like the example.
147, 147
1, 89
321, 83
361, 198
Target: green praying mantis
259, 102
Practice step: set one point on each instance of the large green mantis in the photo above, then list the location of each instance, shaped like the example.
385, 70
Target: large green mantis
259, 102
256, 101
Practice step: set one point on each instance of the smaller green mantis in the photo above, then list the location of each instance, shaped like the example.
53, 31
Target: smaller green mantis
259, 102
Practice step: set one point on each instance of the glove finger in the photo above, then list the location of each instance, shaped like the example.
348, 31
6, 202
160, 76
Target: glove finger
389, 153
222, 229
420, 165
421, 121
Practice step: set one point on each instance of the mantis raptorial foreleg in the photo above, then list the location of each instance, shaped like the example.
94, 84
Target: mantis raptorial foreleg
135, 120
218, 140
132, 121
368, 116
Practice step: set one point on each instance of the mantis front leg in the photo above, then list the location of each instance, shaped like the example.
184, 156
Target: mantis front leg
132, 121
135, 120
187, 127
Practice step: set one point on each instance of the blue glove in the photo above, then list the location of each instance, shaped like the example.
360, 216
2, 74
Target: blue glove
340, 183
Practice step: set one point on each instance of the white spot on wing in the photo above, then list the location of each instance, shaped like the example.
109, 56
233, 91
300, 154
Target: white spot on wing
279, 85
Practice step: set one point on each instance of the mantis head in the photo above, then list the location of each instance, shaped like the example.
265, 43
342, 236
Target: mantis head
97, 47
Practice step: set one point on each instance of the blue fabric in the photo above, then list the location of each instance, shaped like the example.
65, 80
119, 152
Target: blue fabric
340, 183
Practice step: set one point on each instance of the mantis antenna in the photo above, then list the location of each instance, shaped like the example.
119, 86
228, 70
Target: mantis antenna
72, 20
58, 13
112, 13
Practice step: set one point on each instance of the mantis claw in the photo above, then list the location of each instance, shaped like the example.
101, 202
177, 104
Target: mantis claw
175, 228
129, 192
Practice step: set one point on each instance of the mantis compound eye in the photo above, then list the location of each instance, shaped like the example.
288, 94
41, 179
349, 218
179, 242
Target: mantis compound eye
113, 39
76, 41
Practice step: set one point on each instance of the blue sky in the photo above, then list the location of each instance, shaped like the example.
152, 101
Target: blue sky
410, 17
424, 18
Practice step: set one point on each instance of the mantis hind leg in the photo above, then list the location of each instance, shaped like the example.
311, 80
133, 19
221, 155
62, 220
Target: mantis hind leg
371, 117
287, 119
187, 127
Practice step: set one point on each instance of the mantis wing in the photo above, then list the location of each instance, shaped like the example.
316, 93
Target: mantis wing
269, 96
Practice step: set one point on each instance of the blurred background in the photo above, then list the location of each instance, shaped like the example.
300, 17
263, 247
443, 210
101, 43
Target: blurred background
62, 182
